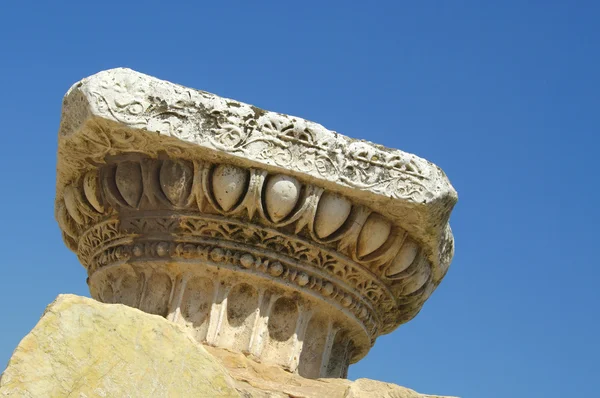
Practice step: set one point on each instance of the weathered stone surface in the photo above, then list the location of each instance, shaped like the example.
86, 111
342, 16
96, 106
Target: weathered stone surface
84, 348
263, 233
257, 379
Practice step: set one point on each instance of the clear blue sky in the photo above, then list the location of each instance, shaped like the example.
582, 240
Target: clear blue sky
503, 95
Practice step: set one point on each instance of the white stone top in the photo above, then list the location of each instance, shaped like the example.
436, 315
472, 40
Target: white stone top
399, 185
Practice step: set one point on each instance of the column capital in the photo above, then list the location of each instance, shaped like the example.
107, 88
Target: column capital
179, 201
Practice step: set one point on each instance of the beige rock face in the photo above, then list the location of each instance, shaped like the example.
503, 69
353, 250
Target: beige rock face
262, 233
262, 380
83, 348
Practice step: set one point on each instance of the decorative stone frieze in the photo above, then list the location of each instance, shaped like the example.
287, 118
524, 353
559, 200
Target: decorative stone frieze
263, 233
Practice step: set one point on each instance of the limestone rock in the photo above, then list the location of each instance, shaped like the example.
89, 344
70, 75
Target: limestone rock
262, 380
84, 348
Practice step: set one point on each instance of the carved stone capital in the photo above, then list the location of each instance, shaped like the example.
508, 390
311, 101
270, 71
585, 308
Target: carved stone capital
263, 233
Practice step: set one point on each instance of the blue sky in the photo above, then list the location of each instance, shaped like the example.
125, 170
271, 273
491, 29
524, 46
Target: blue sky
503, 95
